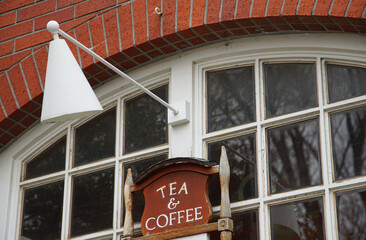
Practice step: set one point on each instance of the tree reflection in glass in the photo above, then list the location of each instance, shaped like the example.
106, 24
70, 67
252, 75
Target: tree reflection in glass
42, 212
294, 157
349, 143
289, 87
49, 161
92, 202
241, 153
345, 82
230, 98
245, 227
95, 139
351, 215
146, 121
302, 220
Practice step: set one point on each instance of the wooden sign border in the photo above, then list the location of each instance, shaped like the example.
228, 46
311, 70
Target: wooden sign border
224, 224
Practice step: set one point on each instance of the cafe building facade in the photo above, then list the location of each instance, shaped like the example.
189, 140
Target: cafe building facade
280, 84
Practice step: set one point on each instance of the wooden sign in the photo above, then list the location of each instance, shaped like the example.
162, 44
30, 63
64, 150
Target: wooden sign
175, 200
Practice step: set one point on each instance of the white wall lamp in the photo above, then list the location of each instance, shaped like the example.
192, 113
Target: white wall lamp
67, 93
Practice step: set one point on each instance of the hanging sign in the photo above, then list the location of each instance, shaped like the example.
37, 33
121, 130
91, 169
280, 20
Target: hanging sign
175, 200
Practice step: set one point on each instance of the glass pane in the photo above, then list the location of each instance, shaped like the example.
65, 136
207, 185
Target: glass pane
230, 98
146, 121
138, 168
301, 220
49, 161
241, 153
42, 212
351, 213
245, 227
349, 143
294, 156
345, 82
92, 202
95, 139
290, 87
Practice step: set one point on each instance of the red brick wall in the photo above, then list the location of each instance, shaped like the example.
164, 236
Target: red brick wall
128, 34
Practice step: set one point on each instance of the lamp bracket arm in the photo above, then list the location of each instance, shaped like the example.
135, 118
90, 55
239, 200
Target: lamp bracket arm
116, 70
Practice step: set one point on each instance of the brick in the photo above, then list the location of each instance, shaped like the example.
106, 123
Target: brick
92, 6
141, 59
16, 30
213, 11
41, 57
7, 19
289, 9
35, 10
169, 17
139, 20
8, 61
306, 8
32, 40
188, 33
16, 130
243, 9
274, 8
276, 20
183, 15
17, 81
8, 5
76, 22
198, 13
6, 48
82, 35
66, 3
339, 8
258, 9
5, 138
5, 123
59, 16
322, 7
97, 35
111, 30
155, 20
196, 41
155, 54
6, 95
125, 26
28, 121
31, 76
356, 9
17, 116
228, 10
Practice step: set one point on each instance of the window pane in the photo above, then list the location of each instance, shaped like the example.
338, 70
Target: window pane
301, 220
351, 213
146, 121
345, 82
290, 87
138, 168
245, 227
241, 153
294, 156
349, 143
95, 139
230, 98
49, 161
42, 212
92, 202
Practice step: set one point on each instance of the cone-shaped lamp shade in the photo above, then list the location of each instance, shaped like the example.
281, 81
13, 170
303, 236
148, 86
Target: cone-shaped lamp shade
67, 93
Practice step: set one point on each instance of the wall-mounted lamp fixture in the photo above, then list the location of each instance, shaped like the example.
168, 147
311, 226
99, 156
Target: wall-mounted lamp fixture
67, 93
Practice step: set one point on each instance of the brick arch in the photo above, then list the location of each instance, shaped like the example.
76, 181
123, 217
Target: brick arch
129, 33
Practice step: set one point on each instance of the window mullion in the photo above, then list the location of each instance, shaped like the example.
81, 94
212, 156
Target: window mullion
67, 185
325, 154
